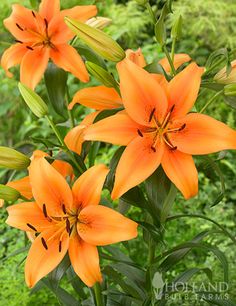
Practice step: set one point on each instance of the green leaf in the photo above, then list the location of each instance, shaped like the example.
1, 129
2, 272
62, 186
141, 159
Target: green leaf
55, 80
231, 101
76, 283
153, 231
216, 301
91, 56
223, 52
188, 274
94, 149
56, 275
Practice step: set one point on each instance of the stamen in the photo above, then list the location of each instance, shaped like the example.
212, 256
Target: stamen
172, 108
44, 243
68, 226
140, 133
32, 227
18, 41
19, 27
153, 149
30, 48
167, 141
173, 149
64, 208
33, 14
60, 243
182, 127
46, 23
151, 115
45, 211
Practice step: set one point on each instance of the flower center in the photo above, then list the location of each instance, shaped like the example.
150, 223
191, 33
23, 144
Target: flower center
161, 130
41, 36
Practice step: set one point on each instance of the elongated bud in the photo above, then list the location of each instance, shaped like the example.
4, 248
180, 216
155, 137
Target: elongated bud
223, 78
177, 28
12, 159
230, 90
160, 32
97, 40
101, 75
34, 101
8, 194
98, 22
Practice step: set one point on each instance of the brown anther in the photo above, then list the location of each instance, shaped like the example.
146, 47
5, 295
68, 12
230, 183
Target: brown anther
140, 133
173, 148
44, 243
33, 13
32, 227
45, 211
19, 27
46, 23
18, 41
30, 48
172, 108
151, 115
153, 149
60, 244
64, 208
68, 226
182, 127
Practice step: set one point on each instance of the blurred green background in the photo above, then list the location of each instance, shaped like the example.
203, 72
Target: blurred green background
207, 26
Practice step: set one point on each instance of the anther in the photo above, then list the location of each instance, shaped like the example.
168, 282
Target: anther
44, 243
19, 27
68, 226
64, 208
60, 243
172, 108
45, 211
32, 227
30, 48
33, 14
173, 148
140, 133
18, 41
153, 149
151, 115
46, 23
182, 127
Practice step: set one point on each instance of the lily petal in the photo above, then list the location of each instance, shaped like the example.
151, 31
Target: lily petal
141, 94
99, 98
49, 8
27, 217
181, 170
179, 59
75, 137
88, 187
183, 89
12, 57
101, 225
136, 57
136, 164
41, 261
49, 187
85, 261
203, 135
118, 129
23, 186
68, 59
80, 12
64, 168
33, 66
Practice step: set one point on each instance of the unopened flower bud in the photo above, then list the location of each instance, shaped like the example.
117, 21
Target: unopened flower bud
12, 159
97, 40
98, 22
223, 78
177, 28
34, 101
230, 90
8, 194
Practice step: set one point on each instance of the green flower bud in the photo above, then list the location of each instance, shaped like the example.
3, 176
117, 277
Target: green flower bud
177, 28
34, 101
8, 194
97, 40
12, 159
98, 22
230, 90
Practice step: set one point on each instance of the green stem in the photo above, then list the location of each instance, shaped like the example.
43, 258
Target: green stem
98, 294
70, 112
173, 50
149, 8
211, 101
64, 147
169, 60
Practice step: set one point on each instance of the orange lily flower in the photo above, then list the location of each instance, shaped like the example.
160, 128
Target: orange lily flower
43, 35
68, 220
157, 129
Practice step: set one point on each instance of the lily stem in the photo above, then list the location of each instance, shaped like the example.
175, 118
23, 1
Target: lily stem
98, 294
70, 112
173, 50
211, 101
64, 147
169, 60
